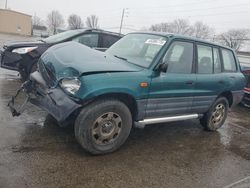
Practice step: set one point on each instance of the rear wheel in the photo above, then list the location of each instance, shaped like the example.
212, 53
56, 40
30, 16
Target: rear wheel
103, 126
216, 115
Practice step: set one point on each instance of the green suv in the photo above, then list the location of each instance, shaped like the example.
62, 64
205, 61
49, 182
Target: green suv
144, 78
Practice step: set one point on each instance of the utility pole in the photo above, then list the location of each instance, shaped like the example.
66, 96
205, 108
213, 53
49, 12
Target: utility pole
6, 4
123, 13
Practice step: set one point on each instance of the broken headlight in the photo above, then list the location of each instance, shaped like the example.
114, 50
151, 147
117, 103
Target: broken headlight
70, 85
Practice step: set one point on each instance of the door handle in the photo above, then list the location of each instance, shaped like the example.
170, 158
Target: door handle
190, 82
233, 77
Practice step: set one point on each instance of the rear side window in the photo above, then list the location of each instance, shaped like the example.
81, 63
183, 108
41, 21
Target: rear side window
228, 60
217, 62
179, 58
108, 40
205, 59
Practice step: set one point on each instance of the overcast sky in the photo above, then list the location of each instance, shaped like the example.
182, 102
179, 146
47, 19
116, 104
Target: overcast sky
219, 14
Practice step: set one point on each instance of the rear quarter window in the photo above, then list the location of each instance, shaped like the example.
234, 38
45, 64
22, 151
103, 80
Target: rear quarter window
228, 60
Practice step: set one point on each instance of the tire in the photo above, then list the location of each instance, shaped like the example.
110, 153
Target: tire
216, 115
103, 126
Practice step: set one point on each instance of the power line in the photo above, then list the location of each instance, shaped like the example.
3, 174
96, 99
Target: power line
207, 15
123, 14
177, 5
201, 9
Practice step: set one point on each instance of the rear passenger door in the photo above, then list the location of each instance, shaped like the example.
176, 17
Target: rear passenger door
210, 80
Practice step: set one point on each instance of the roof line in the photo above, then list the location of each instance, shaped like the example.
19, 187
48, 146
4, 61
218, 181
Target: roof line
9, 10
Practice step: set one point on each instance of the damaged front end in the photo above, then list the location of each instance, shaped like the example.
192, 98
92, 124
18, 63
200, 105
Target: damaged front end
53, 100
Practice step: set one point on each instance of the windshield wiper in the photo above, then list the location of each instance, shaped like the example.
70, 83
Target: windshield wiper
123, 58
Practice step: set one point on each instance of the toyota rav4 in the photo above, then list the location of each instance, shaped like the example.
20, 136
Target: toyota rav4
144, 78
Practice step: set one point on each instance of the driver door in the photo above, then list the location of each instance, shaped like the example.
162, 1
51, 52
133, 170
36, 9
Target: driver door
171, 93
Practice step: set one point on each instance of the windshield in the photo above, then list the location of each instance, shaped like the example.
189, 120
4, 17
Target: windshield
139, 49
61, 36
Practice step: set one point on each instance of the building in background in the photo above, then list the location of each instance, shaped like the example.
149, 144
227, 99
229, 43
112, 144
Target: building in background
13, 22
40, 31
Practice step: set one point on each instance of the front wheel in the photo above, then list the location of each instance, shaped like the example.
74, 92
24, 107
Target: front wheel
103, 126
216, 115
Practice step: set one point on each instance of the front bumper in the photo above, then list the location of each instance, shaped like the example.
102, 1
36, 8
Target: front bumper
52, 100
9, 60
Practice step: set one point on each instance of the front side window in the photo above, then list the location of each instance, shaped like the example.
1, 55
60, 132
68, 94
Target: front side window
205, 59
179, 57
90, 40
228, 60
138, 48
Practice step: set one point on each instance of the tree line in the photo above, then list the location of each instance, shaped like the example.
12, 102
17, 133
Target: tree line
234, 38
55, 20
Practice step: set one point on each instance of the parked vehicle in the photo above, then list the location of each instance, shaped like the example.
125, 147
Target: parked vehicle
144, 78
23, 56
246, 99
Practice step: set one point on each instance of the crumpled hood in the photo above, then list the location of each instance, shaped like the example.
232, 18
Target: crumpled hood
74, 59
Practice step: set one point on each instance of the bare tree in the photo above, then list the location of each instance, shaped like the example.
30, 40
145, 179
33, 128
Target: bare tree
92, 21
182, 26
233, 38
75, 22
36, 21
201, 30
55, 20
161, 27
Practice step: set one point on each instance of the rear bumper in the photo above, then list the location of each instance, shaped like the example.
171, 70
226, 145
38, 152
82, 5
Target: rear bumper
237, 97
54, 101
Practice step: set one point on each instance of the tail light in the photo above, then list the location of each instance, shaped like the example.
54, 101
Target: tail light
247, 89
247, 72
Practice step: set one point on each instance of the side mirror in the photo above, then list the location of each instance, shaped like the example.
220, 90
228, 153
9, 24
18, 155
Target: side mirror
163, 67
